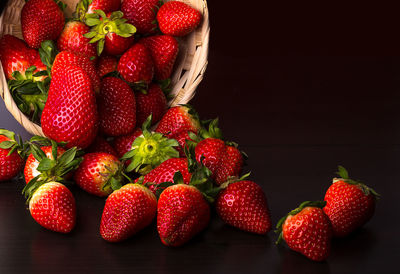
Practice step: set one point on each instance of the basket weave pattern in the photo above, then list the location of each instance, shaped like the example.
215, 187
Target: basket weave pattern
189, 68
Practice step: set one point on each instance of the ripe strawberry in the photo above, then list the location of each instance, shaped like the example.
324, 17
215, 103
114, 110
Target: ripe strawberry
136, 65
52, 206
70, 113
85, 7
127, 211
67, 57
141, 14
182, 212
117, 107
11, 162
177, 18
72, 39
16, 56
349, 204
307, 230
164, 50
98, 172
106, 64
110, 32
123, 144
151, 102
243, 204
101, 145
30, 170
41, 20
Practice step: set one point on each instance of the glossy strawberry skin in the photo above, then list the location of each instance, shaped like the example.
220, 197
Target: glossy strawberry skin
104, 5
123, 144
348, 207
182, 212
95, 171
164, 50
117, 45
244, 205
309, 232
30, 170
106, 64
117, 107
10, 165
136, 65
16, 56
165, 172
101, 145
177, 18
41, 20
53, 207
141, 14
127, 211
70, 113
72, 39
153, 102
65, 58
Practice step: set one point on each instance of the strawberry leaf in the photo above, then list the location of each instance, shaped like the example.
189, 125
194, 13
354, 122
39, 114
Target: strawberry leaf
342, 172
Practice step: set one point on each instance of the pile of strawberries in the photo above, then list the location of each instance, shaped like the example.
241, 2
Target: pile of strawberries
97, 86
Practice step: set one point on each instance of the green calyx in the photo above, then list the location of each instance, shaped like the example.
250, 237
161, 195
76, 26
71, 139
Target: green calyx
101, 25
319, 204
115, 177
149, 150
13, 144
344, 176
81, 9
51, 169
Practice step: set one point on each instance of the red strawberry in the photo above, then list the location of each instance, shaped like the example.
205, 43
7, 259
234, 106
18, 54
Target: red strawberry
177, 18
72, 39
16, 56
66, 58
141, 14
307, 230
164, 50
165, 172
152, 101
97, 172
41, 20
182, 212
117, 107
30, 170
101, 145
243, 205
70, 113
106, 64
123, 144
349, 204
11, 162
89, 6
182, 137
127, 211
136, 65
52, 206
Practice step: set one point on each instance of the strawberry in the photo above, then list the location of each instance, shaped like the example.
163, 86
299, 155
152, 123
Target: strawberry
72, 39
11, 161
141, 14
307, 230
16, 56
164, 50
106, 64
52, 206
41, 20
127, 211
123, 144
243, 204
110, 32
67, 57
85, 7
177, 18
70, 113
151, 102
98, 172
349, 204
117, 107
136, 65
101, 145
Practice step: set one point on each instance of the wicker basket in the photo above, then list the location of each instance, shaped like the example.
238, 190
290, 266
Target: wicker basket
188, 72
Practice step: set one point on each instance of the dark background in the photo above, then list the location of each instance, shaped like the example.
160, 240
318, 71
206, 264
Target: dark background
301, 89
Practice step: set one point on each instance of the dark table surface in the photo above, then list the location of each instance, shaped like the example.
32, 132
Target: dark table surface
301, 93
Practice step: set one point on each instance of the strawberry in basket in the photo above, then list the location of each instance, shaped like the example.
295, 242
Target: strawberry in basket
85, 7
142, 14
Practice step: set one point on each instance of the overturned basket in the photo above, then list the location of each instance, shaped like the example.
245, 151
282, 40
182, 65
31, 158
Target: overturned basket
189, 68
